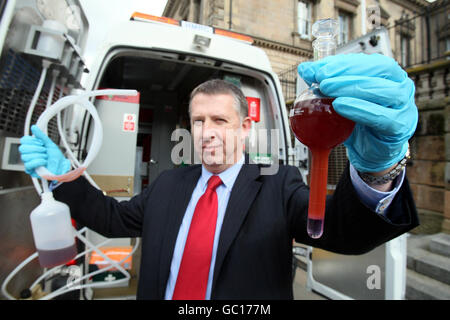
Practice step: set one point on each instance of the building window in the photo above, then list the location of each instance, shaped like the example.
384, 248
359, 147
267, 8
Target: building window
405, 31
405, 55
344, 27
304, 9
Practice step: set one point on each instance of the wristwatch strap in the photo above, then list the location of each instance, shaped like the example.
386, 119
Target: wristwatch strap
391, 175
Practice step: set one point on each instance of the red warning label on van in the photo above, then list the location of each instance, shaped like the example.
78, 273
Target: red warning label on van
254, 108
129, 122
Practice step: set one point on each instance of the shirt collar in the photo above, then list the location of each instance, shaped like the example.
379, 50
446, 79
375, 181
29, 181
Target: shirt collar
228, 176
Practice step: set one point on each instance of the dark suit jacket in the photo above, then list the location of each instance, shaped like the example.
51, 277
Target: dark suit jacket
264, 214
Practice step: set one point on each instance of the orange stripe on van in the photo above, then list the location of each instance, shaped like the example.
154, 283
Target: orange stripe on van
233, 35
149, 17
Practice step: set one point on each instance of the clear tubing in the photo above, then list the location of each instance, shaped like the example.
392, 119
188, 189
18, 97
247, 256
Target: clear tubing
50, 271
61, 132
52, 88
37, 93
115, 264
56, 108
13, 274
49, 102
71, 286
82, 100
69, 152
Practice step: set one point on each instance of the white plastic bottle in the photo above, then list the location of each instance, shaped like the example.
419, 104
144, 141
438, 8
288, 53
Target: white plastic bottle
53, 232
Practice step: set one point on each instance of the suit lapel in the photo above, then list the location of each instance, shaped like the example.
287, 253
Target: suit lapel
182, 193
244, 192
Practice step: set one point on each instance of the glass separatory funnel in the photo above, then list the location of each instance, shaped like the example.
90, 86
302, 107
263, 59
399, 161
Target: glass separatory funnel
316, 125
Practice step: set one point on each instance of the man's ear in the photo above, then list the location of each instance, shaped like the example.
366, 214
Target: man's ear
246, 125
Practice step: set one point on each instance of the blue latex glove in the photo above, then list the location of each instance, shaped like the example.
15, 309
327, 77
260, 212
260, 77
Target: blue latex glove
40, 151
376, 93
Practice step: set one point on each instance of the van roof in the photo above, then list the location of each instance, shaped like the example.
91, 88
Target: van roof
166, 37
187, 24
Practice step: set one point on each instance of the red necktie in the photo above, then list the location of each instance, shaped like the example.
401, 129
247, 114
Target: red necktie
194, 268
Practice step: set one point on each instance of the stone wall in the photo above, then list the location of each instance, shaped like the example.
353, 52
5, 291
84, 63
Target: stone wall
429, 171
265, 19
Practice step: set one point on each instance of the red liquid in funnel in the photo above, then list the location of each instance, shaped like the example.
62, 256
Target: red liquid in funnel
318, 126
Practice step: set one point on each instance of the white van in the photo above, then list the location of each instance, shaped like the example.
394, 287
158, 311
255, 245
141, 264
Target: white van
164, 60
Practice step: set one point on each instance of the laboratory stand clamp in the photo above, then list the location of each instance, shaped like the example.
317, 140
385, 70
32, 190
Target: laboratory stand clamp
51, 42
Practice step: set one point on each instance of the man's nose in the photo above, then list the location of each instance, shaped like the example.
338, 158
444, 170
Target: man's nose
209, 131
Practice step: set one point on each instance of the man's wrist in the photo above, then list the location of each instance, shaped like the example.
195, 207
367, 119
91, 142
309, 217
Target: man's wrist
382, 180
382, 173
386, 186
374, 198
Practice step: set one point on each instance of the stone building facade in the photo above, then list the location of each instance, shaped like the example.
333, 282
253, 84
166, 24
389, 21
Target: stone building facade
428, 65
419, 33
283, 27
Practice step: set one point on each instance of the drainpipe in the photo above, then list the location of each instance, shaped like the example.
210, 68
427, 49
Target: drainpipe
427, 25
230, 23
363, 17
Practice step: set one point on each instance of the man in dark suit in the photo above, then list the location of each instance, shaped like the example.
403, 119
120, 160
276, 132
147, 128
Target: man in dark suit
248, 252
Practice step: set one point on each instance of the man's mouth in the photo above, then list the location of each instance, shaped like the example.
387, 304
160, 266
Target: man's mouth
208, 148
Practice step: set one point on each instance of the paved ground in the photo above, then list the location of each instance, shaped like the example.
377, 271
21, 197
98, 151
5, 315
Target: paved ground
299, 285
300, 291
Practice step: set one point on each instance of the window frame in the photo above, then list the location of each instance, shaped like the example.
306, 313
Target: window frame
348, 17
405, 50
301, 21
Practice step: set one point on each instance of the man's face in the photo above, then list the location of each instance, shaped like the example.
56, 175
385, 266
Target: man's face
218, 133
